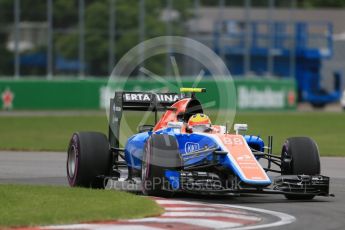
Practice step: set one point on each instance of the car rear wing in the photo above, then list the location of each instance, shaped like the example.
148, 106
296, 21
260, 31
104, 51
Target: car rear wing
146, 101
136, 101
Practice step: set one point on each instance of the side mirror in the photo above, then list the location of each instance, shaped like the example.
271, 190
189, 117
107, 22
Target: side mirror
145, 128
240, 127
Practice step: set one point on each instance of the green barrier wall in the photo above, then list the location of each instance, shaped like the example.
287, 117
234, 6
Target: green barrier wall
252, 94
41, 94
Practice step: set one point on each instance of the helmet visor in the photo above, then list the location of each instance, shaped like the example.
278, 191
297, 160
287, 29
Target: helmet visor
201, 128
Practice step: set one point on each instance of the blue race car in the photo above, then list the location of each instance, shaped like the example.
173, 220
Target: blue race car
184, 152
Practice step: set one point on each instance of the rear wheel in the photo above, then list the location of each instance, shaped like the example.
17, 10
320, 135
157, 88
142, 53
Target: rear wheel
88, 160
318, 105
300, 155
161, 153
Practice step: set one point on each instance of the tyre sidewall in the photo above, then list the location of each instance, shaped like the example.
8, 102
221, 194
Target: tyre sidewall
153, 175
93, 159
159, 156
305, 159
304, 155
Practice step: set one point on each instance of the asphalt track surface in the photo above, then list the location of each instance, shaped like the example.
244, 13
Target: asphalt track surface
321, 213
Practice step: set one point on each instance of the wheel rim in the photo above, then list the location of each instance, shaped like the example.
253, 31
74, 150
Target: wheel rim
145, 169
72, 161
286, 160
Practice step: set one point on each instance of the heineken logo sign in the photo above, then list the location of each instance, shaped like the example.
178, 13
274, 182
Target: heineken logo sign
254, 98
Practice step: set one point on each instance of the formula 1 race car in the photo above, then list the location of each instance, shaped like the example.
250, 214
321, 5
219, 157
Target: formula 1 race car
184, 152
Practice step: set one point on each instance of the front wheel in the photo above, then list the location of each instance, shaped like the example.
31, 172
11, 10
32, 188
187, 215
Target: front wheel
300, 155
88, 160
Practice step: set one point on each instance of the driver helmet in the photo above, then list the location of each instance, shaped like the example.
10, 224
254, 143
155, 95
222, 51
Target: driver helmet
199, 123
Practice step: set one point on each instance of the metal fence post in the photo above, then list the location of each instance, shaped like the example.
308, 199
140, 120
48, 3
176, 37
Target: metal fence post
221, 5
293, 40
17, 39
50, 40
247, 37
270, 56
81, 49
112, 24
168, 33
141, 32
196, 30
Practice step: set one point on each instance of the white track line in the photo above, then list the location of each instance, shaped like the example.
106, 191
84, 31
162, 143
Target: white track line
102, 227
190, 209
208, 214
177, 202
196, 222
220, 209
284, 218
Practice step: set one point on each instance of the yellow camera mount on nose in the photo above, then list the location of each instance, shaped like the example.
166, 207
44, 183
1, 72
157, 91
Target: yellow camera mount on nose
192, 90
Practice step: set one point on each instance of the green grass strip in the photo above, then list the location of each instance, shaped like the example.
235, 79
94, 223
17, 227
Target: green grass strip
53, 133
26, 205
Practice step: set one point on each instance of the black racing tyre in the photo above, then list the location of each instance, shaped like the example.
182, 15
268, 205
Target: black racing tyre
161, 153
300, 155
88, 159
318, 105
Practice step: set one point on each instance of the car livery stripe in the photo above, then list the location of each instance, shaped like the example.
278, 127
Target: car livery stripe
241, 157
